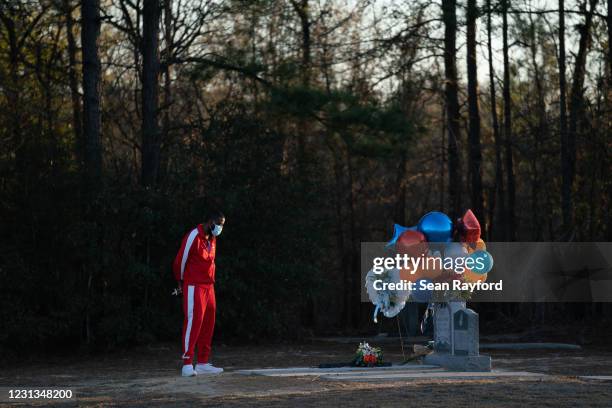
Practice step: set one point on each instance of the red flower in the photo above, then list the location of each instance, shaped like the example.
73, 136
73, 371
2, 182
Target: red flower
369, 359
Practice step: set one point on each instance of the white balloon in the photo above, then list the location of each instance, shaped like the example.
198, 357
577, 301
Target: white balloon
390, 302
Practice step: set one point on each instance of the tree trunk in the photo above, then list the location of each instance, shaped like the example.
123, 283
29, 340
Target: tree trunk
474, 115
499, 198
510, 217
400, 183
355, 273
150, 92
90, 33
452, 105
301, 9
576, 107
305, 23
12, 90
566, 203
167, 98
540, 133
609, 22
73, 82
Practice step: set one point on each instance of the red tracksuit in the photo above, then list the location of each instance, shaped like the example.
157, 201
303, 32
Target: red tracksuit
195, 266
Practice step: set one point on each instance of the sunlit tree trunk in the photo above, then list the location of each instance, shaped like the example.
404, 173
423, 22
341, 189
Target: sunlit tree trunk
475, 153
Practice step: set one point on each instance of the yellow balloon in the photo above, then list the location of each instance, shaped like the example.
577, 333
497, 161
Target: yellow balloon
476, 246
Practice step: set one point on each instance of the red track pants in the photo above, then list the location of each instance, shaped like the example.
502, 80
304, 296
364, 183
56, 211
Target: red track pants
199, 306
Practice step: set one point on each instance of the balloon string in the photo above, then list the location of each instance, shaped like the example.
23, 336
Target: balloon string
399, 328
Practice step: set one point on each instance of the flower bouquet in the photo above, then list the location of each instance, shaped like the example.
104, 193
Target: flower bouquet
368, 356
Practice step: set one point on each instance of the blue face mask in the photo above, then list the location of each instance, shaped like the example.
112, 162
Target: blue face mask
216, 230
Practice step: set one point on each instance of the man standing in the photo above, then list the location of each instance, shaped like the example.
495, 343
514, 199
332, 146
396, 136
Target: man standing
194, 268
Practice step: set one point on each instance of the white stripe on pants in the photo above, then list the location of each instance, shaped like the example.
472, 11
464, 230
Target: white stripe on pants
190, 290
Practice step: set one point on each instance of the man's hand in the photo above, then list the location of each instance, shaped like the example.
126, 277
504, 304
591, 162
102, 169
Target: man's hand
179, 290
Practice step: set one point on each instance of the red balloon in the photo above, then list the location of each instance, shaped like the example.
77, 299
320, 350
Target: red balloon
411, 243
470, 227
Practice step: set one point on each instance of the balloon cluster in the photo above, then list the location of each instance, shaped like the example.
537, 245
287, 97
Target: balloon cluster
430, 239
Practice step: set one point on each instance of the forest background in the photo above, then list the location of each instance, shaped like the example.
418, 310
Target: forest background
314, 125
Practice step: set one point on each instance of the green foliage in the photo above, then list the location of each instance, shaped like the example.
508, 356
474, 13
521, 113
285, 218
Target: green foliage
369, 128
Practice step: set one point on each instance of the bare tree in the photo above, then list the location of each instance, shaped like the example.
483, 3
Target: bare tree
510, 216
73, 80
19, 21
90, 33
566, 204
498, 199
609, 23
301, 8
150, 92
475, 153
576, 107
165, 70
541, 130
449, 16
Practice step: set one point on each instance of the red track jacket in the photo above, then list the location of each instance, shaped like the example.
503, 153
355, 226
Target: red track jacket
195, 261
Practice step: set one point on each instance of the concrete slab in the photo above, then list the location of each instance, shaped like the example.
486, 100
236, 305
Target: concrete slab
480, 363
529, 346
392, 373
597, 377
315, 371
448, 375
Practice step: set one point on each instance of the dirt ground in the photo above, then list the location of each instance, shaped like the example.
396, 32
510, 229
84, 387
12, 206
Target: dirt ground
150, 377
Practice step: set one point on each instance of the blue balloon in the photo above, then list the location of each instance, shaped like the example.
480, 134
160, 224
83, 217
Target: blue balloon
436, 226
421, 295
483, 262
397, 231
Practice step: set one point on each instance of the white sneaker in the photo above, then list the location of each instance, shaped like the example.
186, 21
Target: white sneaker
188, 371
208, 369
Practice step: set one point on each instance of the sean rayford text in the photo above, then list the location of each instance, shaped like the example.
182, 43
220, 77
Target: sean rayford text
412, 264
423, 285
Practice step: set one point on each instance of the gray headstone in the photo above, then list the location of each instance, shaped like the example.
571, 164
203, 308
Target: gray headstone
442, 331
465, 333
456, 339
443, 334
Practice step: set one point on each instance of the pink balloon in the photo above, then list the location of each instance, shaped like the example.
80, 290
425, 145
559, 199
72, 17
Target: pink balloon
470, 227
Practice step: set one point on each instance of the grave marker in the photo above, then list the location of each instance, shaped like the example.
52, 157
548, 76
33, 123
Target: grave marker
456, 344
